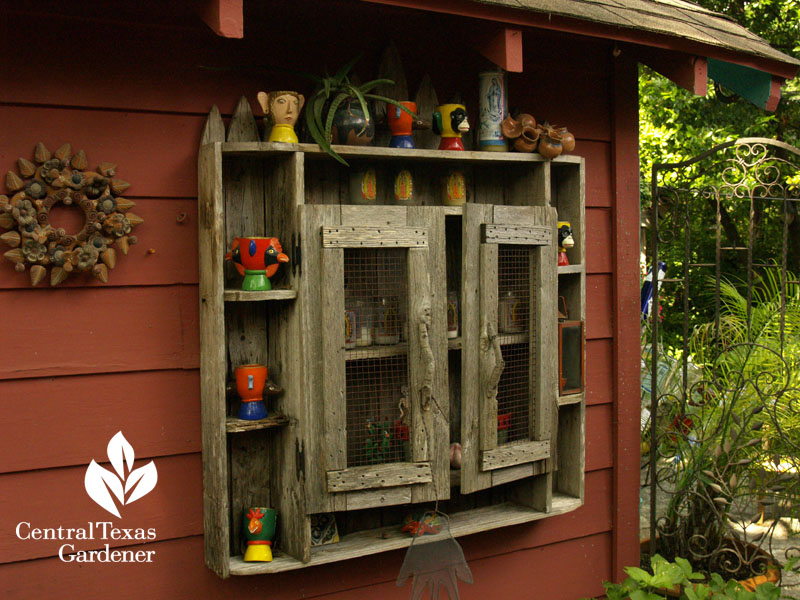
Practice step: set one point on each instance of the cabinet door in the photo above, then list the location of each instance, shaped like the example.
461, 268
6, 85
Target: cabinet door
511, 275
379, 361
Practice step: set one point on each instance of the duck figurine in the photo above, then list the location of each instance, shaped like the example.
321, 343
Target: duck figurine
257, 259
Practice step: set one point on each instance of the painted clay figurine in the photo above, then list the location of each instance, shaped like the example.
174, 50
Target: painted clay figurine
565, 240
400, 124
259, 528
250, 380
282, 108
450, 121
258, 259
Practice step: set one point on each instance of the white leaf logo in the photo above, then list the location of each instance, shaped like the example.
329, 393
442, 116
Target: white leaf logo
100, 483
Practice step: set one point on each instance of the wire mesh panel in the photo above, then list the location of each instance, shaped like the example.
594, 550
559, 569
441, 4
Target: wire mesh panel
514, 289
375, 298
513, 394
378, 417
514, 324
377, 401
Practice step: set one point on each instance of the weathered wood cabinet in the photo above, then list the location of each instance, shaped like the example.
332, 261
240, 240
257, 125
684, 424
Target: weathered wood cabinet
356, 332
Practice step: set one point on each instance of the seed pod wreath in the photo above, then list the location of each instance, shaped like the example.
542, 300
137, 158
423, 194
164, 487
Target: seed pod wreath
62, 177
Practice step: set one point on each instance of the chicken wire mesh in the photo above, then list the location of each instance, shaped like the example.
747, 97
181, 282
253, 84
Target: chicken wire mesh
376, 296
514, 324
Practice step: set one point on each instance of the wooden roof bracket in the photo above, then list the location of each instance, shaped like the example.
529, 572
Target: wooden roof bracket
504, 49
224, 17
686, 70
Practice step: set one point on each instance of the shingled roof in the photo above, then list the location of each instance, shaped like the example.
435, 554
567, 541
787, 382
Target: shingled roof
672, 18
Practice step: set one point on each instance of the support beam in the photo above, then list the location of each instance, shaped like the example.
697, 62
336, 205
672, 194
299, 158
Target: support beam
225, 17
757, 87
688, 71
504, 49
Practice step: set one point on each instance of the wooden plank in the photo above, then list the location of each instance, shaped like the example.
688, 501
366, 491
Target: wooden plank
138, 396
162, 147
212, 359
527, 185
288, 460
309, 303
174, 260
472, 479
491, 358
334, 383
377, 498
439, 442
598, 240
214, 129
515, 234
374, 541
377, 216
379, 476
374, 237
422, 365
626, 328
509, 474
427, 101
243, 296
510, 455
24, 495
599, 376
599, 306
234, 425
571, 457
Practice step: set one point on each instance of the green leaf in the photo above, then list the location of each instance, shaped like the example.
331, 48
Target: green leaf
638, 574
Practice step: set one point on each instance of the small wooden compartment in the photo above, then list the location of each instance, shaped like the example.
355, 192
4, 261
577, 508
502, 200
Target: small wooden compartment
377, 384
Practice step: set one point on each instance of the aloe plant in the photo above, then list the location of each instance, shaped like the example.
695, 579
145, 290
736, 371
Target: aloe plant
330, 93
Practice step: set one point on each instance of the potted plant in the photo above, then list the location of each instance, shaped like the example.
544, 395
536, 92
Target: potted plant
678, 580
338, 109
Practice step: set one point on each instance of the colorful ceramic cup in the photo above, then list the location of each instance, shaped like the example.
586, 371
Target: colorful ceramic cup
450, 121
259, 529
250, 381
400, 124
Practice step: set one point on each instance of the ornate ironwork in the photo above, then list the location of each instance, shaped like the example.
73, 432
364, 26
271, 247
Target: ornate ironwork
724, 427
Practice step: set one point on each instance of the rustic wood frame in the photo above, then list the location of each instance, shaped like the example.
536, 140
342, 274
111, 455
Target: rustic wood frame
296, 192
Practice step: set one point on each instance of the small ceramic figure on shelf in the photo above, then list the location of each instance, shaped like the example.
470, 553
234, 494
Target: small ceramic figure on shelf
400, 124
363, 186
454, 189
522, 131
455, 455
450, 122
250, 380
565, 240
258, 259
282, 109
259, 528
403, 187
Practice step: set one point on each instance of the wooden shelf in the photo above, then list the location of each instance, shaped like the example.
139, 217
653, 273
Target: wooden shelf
369, 152
571, 399
454, 343
391, 538
570, 269
453, 210
376, 351
234, 425
242, 296
512, 338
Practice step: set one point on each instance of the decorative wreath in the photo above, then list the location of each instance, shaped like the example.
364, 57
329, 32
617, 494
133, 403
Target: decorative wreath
62, 177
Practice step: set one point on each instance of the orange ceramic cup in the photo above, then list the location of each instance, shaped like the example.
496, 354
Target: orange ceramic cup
250, 381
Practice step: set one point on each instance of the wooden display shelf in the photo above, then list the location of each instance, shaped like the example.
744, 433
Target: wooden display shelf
234, 425
570, 399
371, 152
243, 296
570, 269
376, 351
384, 539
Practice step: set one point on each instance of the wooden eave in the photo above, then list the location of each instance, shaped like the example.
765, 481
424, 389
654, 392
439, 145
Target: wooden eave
673, 25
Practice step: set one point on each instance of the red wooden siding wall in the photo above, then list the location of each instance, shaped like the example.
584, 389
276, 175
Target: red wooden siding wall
81, 362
